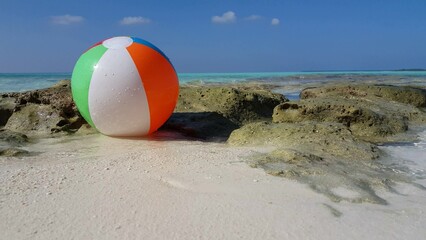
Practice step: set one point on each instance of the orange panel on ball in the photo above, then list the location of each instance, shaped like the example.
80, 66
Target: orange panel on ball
160, 82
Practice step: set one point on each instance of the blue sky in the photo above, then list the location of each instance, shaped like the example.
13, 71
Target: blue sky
220, 35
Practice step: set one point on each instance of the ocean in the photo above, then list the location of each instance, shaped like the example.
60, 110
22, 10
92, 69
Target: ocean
18, 82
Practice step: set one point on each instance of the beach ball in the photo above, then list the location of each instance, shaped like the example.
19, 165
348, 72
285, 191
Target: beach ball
124, 86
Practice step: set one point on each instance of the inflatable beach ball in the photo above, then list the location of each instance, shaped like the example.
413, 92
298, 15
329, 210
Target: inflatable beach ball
124, 86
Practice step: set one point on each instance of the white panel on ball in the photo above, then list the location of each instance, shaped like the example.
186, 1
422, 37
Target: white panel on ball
117, 100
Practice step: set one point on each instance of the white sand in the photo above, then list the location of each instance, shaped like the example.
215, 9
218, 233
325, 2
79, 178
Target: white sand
103, 188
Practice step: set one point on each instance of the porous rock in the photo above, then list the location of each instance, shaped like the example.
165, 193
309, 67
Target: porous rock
368, 116
12, 138
403, 94
42, 112
203, 112
315, 140
13, 152
213, 112
10, 143
7, 105
238, 105
325, 156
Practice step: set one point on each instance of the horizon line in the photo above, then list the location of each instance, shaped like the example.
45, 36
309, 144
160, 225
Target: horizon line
236, 72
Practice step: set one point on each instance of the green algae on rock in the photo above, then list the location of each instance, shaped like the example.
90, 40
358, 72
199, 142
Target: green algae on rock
239, 105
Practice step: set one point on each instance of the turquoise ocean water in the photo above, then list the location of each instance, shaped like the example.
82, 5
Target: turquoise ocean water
14, 82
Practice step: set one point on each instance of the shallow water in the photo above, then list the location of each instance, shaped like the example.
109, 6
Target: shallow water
413, 156
16, 82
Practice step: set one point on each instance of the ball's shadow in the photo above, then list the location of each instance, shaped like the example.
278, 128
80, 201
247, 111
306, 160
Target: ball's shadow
195, 126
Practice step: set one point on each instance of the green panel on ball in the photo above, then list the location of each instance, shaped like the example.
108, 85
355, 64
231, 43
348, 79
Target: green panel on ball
80, 80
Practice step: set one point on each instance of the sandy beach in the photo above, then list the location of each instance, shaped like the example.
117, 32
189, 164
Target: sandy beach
96, 187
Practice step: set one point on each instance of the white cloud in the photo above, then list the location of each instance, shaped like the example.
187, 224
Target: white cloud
227, 17
66, 19
134, 20
275, 21
253, 17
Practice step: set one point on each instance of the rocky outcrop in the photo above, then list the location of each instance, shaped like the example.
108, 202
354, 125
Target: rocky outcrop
315, 140
408, 95
373, 113
328, 138
7, 105
375, 121
368, 115
42, 112
325, 156
11, 143
213, 112
239, 105
13, 138
202, 112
